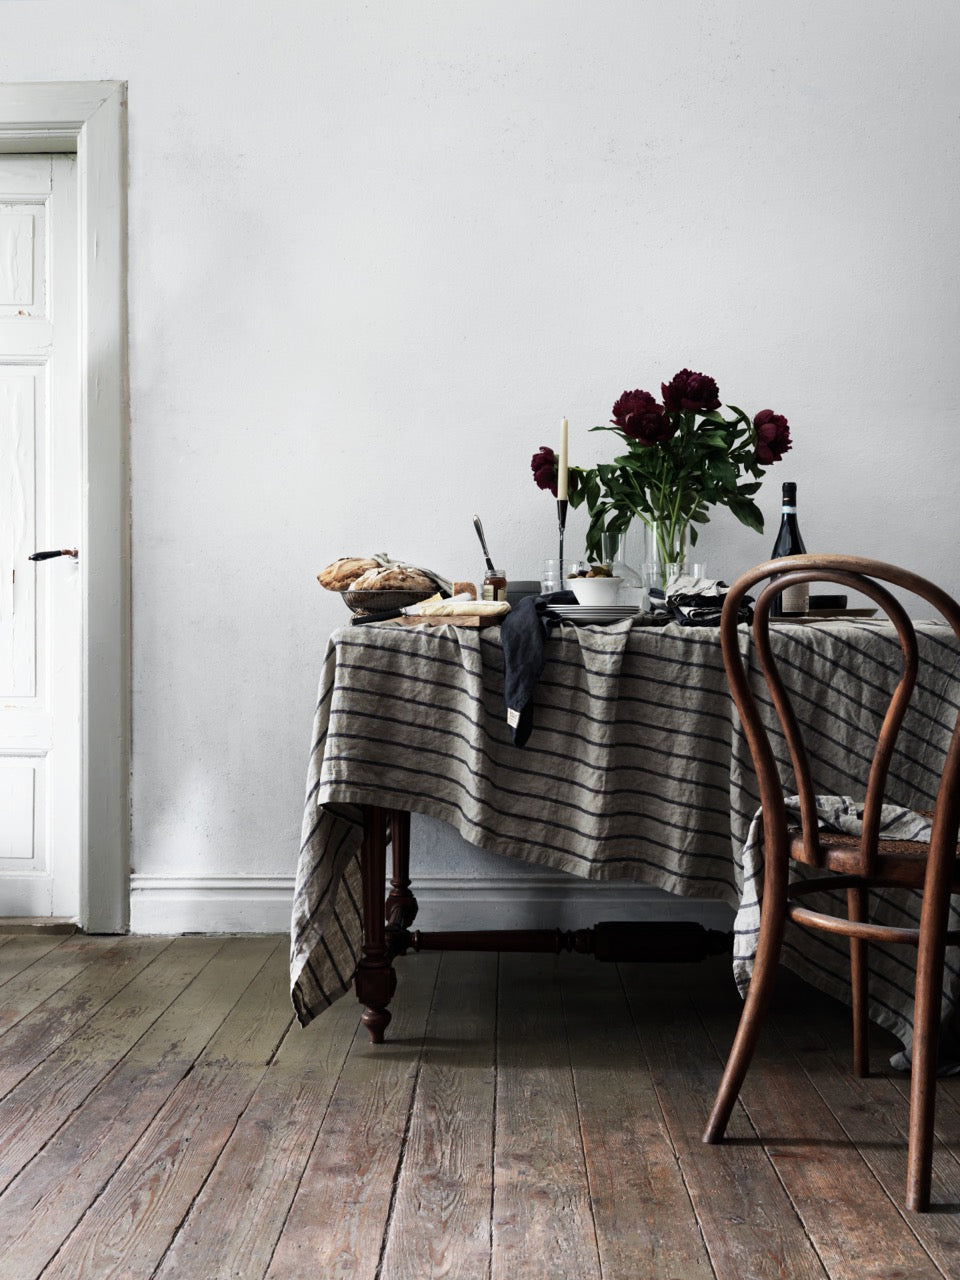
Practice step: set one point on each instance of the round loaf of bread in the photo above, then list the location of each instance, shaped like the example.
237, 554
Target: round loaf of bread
344, 572
392, 578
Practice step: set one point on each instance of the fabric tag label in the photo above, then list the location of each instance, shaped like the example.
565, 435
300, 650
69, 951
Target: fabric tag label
513, 717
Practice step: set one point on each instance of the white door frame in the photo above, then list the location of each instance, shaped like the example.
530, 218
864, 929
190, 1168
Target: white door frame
89, 118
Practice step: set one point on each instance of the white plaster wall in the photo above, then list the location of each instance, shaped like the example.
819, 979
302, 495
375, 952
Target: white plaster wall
377, 250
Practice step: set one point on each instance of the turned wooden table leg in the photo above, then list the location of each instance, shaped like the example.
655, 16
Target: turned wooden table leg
376, 980
401, 904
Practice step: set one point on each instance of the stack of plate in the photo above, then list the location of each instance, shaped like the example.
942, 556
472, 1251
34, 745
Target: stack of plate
594, 612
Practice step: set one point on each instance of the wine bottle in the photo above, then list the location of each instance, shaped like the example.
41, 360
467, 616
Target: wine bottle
789, 543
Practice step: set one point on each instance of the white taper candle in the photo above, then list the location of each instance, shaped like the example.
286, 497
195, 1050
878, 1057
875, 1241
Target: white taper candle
563, 463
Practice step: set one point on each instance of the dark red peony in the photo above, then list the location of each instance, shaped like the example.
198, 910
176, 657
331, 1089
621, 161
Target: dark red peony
638, 415
543, 464
690, 393
773, 436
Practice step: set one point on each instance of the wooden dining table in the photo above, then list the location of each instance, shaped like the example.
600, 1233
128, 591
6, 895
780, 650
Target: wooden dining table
635, 770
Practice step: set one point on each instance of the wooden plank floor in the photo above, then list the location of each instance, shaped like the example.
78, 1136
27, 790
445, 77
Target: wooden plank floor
162, 1116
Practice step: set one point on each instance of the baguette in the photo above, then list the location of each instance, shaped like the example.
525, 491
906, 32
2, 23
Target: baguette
463, 608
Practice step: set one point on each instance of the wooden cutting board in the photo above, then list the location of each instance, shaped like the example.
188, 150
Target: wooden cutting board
458, 620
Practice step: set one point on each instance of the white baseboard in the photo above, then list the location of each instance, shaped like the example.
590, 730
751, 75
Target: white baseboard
210, 904
261, 904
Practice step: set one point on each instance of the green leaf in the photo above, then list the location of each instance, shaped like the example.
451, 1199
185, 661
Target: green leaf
747, 513
716, 438
742, 417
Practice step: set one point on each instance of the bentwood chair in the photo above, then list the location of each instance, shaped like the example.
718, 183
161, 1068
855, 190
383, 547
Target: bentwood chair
854, 863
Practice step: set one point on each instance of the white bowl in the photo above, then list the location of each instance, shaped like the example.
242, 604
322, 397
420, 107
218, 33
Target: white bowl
595, 590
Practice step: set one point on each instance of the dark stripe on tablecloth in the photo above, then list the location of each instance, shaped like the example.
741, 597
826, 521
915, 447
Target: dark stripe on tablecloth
544, 727
344, 983
514, 816
324, 865
500, 839
392, 749
351, 947
515, 760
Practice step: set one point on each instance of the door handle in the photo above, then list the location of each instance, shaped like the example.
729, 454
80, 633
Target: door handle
49, 555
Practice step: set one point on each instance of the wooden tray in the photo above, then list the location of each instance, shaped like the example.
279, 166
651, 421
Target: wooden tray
824, 615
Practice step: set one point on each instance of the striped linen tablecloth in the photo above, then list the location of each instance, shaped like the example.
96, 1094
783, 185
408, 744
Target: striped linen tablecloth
636, 770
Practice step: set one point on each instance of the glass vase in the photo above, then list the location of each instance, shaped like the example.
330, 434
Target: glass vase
669, 550
618, 550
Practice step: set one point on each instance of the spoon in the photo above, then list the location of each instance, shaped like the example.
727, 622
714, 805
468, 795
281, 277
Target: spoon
483, 542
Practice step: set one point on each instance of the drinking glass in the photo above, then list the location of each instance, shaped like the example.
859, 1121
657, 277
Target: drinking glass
550, 579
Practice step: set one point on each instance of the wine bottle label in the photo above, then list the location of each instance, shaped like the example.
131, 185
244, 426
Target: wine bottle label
796, 599
788, 511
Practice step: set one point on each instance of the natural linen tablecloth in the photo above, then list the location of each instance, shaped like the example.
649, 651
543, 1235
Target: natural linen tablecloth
636, 769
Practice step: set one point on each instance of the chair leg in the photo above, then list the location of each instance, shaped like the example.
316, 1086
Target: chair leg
762, 982
857, 910
923, 1081
925, 1051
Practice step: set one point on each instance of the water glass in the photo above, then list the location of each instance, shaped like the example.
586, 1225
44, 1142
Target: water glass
550, 579
610, 547
686, 569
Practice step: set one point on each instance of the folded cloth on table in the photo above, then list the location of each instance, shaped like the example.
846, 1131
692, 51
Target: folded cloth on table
695, 602
845, 815
523, 636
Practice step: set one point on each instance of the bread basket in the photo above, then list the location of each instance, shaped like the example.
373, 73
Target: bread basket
384, 599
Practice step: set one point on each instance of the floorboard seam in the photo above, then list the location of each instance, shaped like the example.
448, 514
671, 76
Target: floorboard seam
766, 1150
30, 1012
43, 956
401, 1155
360, 1029
116, 1171
99, 1083
178, 1229
496, 1096
583, 1145
665, 1123
895, 1200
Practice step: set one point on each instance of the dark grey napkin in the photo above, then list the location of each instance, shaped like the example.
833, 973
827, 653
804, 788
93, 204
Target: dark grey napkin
696, 609
523, 635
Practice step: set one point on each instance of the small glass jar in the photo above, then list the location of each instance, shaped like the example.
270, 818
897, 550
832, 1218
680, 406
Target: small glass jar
494, 585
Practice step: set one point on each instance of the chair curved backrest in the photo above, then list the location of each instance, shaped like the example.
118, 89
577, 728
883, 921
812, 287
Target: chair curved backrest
864, 576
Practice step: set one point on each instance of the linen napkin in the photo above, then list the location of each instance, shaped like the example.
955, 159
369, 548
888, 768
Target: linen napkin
695, 602
523, 636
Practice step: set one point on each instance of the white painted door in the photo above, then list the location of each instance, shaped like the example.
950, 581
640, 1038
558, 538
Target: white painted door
40, 509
